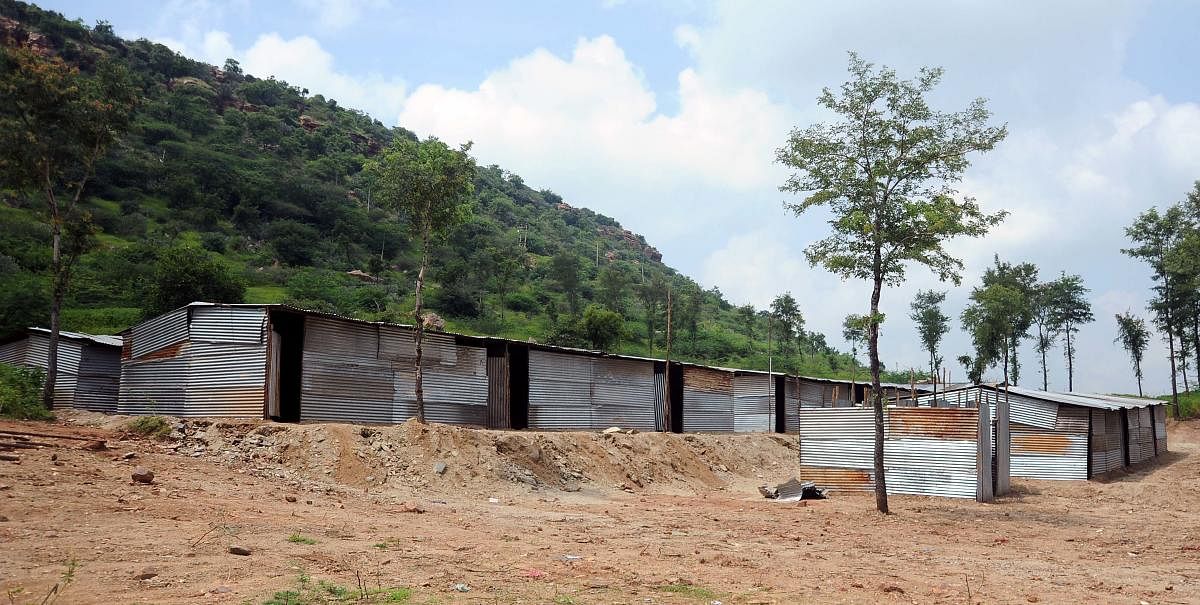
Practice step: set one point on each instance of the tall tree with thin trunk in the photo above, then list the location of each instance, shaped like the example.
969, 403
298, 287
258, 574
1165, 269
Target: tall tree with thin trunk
886, 170
1134, 338
1155, 237
1047, 331
1069, 309
991, 321
932, 325
56, 123
1021, 280
432, 186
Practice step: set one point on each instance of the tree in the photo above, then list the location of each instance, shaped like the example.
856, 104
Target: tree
886, 171
55, 125
791, 321
432, 185
991, 320
564, 268
1021, 279
1134, 338
689, 312
1069, 308
1047, 330
932, 325
652, 293
183, 274
747, 317
854, 331
1155, 237
603, 327
612, 289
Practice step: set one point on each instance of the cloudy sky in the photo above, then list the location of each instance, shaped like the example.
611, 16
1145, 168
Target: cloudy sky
666, 115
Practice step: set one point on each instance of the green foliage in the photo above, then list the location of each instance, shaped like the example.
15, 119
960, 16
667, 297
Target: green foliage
21, 393
183, 275
298, 538
689, 591
1067, 300
603, 327
932, 323
24, 302
323, 592
1134, 337
150, 427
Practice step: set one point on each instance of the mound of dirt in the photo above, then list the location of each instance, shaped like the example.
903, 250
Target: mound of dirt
436, 458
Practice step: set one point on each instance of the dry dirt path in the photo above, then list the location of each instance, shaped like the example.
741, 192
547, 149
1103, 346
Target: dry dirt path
708, 537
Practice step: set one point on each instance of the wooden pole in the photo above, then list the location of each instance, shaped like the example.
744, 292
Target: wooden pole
667, 371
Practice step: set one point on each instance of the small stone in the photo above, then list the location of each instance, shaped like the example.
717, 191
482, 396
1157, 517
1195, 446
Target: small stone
222, 590
142, 474
290, 498
239, 550
571, 486
146, 574
54, 456
4, 519
96, 446
611, 430
128, 455
439, 467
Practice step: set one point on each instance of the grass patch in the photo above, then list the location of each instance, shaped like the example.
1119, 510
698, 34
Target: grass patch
104, 320
266, 295
151, 427
688, 590
321, 592
563, 599
1189, 404
21, 393
297, 538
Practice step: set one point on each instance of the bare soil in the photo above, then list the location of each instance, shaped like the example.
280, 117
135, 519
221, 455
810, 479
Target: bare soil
522, 517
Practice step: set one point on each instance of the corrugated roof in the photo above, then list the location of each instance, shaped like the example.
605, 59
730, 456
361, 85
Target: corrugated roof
109, 341
1087, 400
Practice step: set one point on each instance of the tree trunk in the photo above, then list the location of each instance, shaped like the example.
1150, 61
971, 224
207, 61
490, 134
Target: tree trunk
1174, 377
1137, 369
1070, 362
881, 499
1042, 348
1196, 344
56, 297
1170, 342
933, 375
420, 391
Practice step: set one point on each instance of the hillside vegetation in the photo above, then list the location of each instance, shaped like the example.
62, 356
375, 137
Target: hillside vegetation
255, 187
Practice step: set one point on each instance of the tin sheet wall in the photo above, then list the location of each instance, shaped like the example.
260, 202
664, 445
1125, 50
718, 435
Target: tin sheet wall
707, 400
927, 451
1106, 452
792, 402
13, 353
753, 403
221, 372
354, 372
1160, 427
581, 392
70, 353
1140, 436
99, 381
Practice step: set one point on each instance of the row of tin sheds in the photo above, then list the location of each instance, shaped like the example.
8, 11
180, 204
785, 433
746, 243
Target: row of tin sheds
291, 365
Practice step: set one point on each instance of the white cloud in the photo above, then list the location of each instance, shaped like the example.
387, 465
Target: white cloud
589, 127
337, 15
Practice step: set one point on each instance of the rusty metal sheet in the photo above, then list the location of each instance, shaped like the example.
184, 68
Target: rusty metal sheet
1039, 453
154, 334
838, 479
944, 423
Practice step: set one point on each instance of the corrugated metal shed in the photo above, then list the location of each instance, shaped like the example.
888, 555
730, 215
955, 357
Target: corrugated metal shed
154, 334
753, 405
707, 400
935, 452
560, 391
88, 366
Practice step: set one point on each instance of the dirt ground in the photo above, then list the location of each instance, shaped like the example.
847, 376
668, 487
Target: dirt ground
562, 518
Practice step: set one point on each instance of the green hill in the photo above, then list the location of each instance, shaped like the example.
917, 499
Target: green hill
268, 177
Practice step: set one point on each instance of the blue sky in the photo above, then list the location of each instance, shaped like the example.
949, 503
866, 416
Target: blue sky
665, 116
